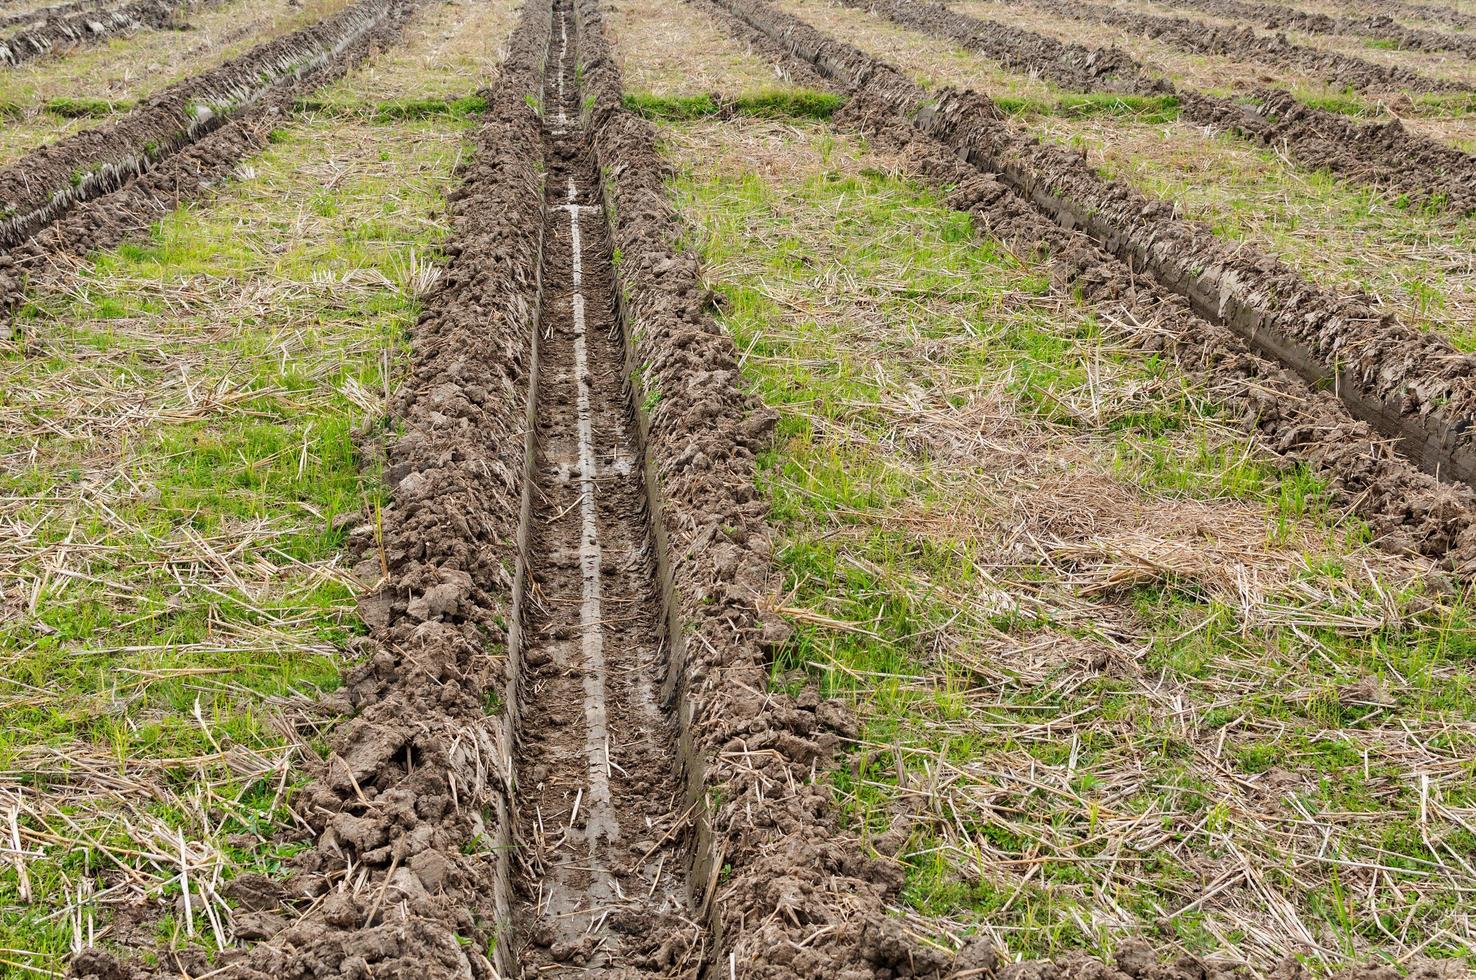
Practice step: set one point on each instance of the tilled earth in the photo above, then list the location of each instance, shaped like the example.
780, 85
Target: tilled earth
579, 730
602, 878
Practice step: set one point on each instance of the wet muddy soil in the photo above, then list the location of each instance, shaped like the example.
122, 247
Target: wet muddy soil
603, 824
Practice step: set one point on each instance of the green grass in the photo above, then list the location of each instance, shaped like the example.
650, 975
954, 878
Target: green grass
461, 109
181, 556
76, 108
776, 104
1055, 736
671, 107
1436, 104
1350, 103
1346, 103
1079, 105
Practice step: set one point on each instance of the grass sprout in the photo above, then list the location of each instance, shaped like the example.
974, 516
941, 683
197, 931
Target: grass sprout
1118, 670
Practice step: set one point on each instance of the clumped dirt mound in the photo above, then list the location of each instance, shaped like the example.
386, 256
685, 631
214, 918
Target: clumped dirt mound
798, 900
391, 887
87, 27
52, 12
94, 188
48, 181
1421, 11
1386, 156
1246, 45
1379, 26
1132, 246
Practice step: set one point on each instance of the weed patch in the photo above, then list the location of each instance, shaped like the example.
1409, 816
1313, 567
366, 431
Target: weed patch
1079, 105
180, 464
775, 104
1117, 669
73, 108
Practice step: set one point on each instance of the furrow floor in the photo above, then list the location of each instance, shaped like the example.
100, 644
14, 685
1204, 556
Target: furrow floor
602, 880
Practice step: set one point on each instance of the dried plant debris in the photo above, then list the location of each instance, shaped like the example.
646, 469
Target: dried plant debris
1109, 660
1385, 155
574, 488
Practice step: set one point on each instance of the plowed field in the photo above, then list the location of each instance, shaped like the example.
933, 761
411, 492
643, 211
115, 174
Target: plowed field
717, 489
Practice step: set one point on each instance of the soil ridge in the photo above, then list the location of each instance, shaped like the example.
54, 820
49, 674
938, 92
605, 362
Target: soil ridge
407, 810
49, 180
96, 187
1383, 155
1245, 44
1021, 200
1375, 26
86, 26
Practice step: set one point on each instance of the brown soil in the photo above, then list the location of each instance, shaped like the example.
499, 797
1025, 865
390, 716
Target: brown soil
408, 811
87, 27
1379, 26
1386, 155
1244, 43
601, 879
1428, 12
1038, 195
93, 188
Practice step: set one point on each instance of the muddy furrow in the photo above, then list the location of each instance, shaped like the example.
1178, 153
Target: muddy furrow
88, 27
1382, 155
603, 824
784, 894
1245, 44
404, 876
1384, 397
97, 186
1376, 26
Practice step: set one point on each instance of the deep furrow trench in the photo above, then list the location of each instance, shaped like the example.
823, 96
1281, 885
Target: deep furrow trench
601, 874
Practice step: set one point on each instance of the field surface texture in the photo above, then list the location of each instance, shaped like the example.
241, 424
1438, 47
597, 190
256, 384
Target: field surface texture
738, 489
